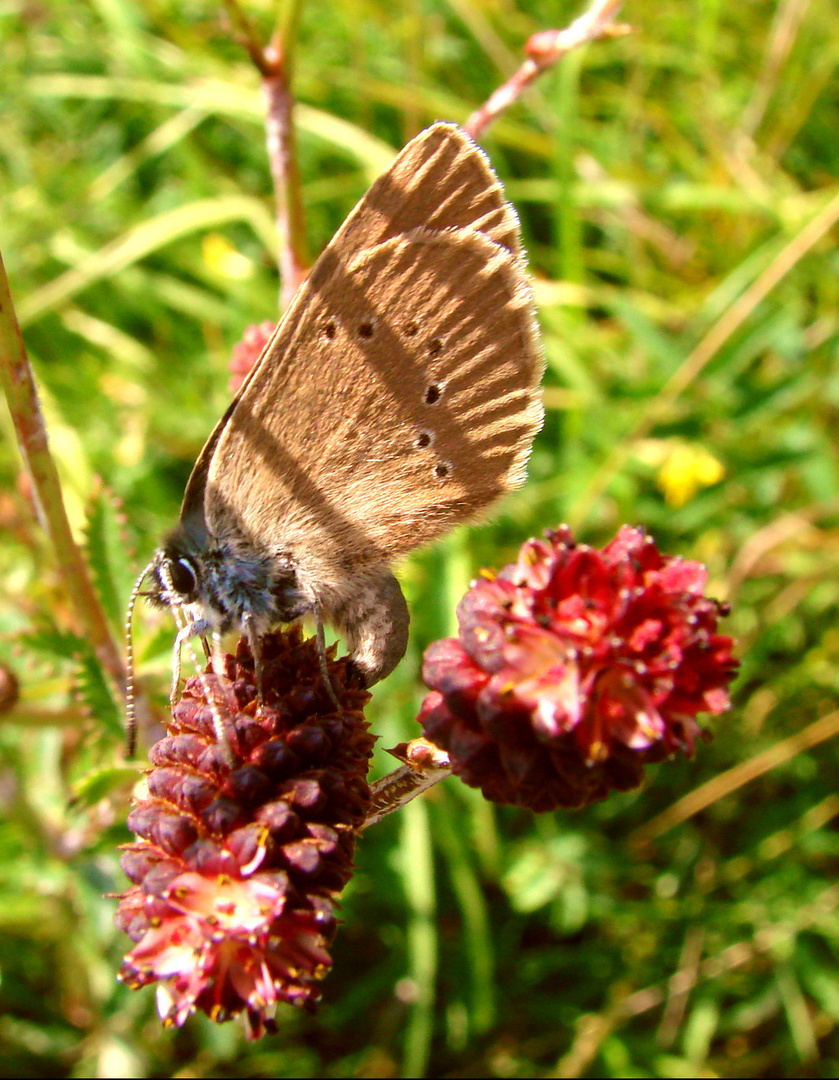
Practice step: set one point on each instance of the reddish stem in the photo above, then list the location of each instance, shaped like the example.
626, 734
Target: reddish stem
274, 63
282, 155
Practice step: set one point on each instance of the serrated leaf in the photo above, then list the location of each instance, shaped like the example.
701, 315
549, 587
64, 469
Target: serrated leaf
103, 782
56, 644
107, 554
95, 693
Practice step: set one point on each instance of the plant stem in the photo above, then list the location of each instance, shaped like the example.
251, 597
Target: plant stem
282, 155
424, 766
543, 51
274, 62
19, 387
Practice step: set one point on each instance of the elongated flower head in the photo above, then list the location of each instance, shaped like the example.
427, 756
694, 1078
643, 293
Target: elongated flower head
243, 848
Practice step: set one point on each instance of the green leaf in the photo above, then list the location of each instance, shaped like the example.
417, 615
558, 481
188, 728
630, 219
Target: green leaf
101, 783
53, 643
95, 693
107, 554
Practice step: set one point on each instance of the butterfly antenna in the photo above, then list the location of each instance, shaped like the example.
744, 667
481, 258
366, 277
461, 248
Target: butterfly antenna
171, 598
130, 695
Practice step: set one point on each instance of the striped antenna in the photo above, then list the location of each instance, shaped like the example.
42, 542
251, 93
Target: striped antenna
130, 697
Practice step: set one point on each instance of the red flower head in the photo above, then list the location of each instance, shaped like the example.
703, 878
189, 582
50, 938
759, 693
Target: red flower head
575, 667
238, 864
247, 351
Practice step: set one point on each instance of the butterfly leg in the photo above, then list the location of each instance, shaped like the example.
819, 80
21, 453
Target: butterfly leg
217, 658
320, 639
200, 627
184, 634
255, 643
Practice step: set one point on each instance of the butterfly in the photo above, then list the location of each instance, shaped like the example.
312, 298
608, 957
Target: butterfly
398, 397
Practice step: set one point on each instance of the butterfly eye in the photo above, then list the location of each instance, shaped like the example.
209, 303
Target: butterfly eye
184, 578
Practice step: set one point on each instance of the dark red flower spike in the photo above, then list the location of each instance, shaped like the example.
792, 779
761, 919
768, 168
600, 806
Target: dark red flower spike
237, 867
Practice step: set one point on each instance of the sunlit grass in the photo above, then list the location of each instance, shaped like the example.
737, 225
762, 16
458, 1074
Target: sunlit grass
678, 196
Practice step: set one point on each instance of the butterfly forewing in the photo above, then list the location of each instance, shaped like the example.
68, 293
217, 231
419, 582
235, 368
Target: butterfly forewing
440, 180
398, 398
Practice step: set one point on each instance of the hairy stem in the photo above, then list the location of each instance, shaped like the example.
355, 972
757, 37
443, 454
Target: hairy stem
22, 396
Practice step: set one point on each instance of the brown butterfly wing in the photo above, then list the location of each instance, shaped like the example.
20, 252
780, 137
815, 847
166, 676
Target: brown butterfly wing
398, 397
440, 180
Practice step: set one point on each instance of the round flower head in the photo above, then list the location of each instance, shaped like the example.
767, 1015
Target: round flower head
575, 667
239, 862
247, 351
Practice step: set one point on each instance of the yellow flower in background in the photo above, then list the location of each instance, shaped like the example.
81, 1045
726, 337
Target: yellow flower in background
687, 468
223, 259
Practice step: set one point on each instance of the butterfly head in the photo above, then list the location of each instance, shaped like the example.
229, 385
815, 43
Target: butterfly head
177, 576
224, 585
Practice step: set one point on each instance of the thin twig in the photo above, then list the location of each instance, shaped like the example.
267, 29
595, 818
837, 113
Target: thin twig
274, 63
543, 51
247, 36
282, 156
19, 387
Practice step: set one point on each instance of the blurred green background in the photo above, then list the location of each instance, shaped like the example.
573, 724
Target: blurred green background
678, 195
